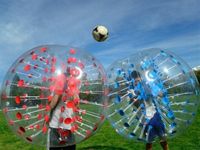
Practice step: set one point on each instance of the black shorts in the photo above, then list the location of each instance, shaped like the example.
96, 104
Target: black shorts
155, 128
61, 138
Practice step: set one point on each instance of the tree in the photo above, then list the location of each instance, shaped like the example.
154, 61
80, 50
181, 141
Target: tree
197, 73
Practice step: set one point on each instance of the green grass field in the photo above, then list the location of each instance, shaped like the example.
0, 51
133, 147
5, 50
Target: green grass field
106, 139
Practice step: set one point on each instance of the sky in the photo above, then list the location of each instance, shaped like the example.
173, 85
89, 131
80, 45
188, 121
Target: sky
133, 25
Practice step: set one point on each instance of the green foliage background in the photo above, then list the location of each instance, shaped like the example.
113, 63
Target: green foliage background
198, 75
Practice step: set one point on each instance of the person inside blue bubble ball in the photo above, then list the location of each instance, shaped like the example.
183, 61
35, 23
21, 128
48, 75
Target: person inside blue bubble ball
143, 95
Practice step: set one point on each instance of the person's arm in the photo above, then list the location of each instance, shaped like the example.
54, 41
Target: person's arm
59, 84
54, 101
160, 94
76, 96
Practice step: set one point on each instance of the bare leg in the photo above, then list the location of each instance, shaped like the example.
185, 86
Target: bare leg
164, 145
149, 146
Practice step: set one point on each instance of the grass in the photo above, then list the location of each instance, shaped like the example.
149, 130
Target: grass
106, 139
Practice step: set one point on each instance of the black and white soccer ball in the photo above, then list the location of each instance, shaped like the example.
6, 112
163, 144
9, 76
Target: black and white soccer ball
100, 33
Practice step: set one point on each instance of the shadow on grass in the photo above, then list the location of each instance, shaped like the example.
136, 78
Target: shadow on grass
102, 148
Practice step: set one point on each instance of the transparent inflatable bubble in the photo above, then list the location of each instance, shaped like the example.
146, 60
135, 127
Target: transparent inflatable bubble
151, 93
54, 86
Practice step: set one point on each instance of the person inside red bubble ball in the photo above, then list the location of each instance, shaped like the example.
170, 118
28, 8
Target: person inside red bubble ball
63, 105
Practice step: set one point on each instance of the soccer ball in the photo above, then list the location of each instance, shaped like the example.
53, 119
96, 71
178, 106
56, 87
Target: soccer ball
100, 33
